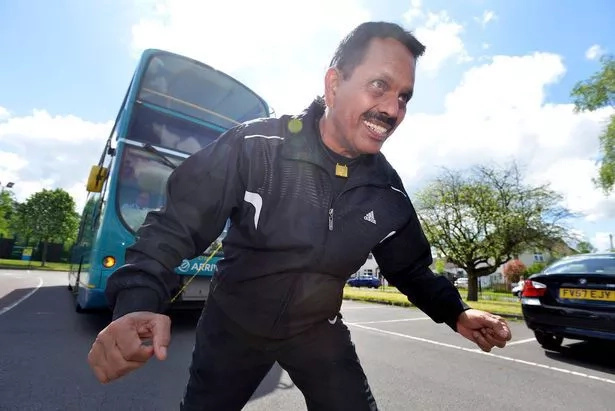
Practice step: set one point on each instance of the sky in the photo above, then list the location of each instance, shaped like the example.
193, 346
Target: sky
493, 86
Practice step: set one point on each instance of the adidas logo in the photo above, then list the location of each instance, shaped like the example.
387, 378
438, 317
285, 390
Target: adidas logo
370, 217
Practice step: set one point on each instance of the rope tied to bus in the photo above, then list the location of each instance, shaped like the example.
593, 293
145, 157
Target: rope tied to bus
197, 272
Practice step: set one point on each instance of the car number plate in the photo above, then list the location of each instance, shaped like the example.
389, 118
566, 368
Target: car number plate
587, 294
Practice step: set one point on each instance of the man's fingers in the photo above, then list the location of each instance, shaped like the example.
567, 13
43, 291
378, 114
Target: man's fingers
480, 340
492, 338
132, 349
498, 325
100, 374
97, 359
161, 336
118, 366
141, 353
484, 329
118, 349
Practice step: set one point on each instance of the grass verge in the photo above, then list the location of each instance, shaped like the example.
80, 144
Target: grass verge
32, 265
503, 308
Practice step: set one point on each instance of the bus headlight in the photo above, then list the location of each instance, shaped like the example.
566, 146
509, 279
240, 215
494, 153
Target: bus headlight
108, 261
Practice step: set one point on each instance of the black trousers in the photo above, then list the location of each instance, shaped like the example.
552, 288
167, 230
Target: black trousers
228, 365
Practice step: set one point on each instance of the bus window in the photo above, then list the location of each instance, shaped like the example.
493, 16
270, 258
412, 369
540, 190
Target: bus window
141, 185
149, 125
199, 91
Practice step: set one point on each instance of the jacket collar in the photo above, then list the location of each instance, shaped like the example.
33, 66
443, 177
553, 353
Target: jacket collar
300, 143
300, 135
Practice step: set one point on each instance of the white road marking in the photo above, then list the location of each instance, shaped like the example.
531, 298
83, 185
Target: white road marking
14, 274
22, 299
476, 351
521, 341
375, 307
389, 321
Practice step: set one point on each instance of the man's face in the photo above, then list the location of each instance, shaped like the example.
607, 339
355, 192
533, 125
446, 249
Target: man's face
368, 105
143, 199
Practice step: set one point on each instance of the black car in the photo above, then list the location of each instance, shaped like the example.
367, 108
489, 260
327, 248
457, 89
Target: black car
572, 298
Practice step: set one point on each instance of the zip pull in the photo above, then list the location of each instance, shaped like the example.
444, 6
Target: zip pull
330, 219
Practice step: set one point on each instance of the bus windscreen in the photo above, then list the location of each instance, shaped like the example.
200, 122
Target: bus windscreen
196, 90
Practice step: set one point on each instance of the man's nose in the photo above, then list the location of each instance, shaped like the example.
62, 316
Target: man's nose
390, 107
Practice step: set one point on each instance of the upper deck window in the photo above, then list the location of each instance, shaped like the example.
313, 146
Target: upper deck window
196, 90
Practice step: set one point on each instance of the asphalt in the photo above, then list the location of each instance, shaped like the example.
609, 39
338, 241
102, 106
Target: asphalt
411, 362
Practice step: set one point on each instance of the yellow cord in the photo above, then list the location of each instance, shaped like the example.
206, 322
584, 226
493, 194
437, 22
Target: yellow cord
197, 271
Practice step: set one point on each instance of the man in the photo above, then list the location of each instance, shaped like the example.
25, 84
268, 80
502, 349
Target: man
309, 197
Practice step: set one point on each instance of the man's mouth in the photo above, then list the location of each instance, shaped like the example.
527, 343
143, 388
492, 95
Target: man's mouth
379, 124
380, 130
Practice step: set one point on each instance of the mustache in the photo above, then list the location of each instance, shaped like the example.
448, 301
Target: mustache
379, 117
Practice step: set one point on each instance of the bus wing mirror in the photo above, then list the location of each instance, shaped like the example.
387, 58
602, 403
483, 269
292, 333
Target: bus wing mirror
97, 178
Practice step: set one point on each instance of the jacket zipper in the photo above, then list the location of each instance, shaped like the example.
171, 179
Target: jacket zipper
289, 295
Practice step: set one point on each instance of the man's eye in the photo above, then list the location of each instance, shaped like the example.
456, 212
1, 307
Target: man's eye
379, 84
404, 98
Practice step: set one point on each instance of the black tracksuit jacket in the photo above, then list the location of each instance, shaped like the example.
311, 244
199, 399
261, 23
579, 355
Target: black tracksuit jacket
295, 236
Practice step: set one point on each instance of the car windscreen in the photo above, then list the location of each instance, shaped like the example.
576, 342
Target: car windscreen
583, 265
182, 85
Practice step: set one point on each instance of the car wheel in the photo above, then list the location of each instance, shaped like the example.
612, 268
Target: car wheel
548, 341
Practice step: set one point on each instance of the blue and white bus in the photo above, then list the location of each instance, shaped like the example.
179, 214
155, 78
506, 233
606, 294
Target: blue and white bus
174, 106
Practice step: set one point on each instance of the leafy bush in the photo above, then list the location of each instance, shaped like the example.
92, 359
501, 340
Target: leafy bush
514, 270
536, 267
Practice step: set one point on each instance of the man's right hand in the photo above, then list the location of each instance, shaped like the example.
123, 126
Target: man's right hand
119, 349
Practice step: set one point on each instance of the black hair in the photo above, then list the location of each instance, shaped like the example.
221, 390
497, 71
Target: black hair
351, 49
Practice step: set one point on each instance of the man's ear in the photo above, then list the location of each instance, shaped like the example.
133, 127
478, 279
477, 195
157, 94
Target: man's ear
332, 81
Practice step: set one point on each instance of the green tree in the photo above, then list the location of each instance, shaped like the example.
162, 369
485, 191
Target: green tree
590, 95
585, 247
439, 266
535, 268
479, 219
20, 223
48, 215
7, 209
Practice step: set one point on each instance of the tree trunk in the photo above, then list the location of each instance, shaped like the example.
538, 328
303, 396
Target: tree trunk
472, 286
44, 254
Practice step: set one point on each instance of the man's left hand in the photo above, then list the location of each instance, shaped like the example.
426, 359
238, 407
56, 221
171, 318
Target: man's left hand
484, 329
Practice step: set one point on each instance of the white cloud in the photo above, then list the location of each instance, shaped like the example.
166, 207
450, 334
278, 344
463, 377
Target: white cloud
498, 113
601, 241
441, 36
48, 129
46, 151
594, 52
488, 15
414, 12
268, 44
4, 113
10, 163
